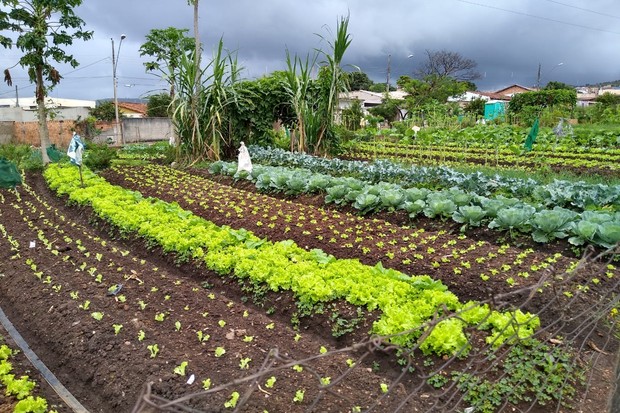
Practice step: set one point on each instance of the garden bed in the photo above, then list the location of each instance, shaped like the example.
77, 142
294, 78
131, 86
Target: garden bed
62, 295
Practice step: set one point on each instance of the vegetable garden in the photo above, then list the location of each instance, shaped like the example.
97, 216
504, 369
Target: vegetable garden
314, 284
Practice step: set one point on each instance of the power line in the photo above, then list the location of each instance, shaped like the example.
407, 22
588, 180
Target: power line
538, 17
584, 9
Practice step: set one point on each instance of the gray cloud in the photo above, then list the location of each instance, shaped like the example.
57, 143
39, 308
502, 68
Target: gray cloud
507, 39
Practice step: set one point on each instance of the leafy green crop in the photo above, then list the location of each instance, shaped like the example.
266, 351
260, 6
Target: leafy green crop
405, 303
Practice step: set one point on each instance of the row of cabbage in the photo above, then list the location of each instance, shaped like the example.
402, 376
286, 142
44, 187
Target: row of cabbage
405, 302
577, 195
470, 209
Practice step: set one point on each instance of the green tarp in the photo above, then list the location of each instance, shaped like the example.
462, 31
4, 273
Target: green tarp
9, 176
531, 137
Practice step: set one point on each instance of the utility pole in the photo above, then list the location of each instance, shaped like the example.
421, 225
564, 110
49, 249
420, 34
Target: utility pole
538, 78
117, 126
387, 83
16, 97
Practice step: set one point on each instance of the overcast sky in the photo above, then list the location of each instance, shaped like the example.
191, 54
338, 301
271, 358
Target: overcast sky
574, 41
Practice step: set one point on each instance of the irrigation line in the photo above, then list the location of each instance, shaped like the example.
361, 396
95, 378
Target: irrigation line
49, 377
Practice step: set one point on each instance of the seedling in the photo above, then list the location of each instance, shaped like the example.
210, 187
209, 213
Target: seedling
220, 351
299, 396
384, 388
232, 402
202, 337
244, 363
141, 335
206, 384
154, 349
160, 317
248, 339
270, 326
142, 304
180, 369
221, 323
117, 328
270, 382
97, 315
74, 295
177, 325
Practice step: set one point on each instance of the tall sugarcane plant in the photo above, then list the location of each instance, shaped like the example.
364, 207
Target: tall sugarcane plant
202, 114
314, 102
297, 86
332, 81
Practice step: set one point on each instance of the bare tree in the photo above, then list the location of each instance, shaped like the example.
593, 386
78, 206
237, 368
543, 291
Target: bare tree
444, 63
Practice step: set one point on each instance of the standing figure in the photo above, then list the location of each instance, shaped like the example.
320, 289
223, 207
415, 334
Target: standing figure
245, 163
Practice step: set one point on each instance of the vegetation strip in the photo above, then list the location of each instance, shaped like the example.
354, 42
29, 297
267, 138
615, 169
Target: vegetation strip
506, 214
455, 260
61, 390
575, 195
405, 302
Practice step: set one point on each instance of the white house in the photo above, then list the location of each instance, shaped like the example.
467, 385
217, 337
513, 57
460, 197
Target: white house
25, 109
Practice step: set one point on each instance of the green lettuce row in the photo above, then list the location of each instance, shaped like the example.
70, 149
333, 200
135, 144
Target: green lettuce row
406, 303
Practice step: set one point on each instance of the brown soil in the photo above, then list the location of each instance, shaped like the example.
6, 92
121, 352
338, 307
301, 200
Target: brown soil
107, 372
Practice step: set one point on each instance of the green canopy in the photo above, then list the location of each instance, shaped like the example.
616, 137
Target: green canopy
9, 176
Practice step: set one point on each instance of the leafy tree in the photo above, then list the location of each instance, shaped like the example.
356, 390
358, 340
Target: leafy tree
43, 27
262, 103
166, 46
380, 88
158, 105
558, 86
359, 81
476, 107
433, 88
388, 109
543, 98
444, 63
352, 116
105, 111
608, 99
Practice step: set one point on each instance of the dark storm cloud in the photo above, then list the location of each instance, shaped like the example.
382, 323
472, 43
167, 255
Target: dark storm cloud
508, 39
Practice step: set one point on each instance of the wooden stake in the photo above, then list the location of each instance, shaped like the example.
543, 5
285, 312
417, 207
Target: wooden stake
81, 177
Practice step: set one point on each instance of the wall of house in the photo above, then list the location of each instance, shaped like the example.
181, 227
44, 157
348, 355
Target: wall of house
29, 115
134, 130
28, 132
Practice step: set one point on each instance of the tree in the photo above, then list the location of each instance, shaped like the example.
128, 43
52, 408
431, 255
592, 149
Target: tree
433, 88
43, 27
553, 85
359, 81
158, 105
165, 46
608, 99
380, 88
105, 111
476, 107
444, 63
